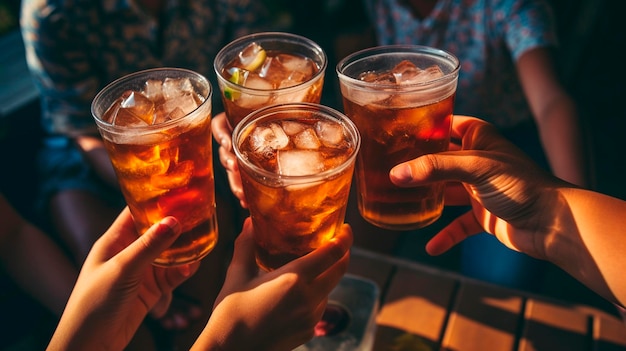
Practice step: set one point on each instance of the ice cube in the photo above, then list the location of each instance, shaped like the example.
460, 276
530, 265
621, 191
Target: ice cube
253, 81
329, 133
299, 162
153, 89
407, 73
253, 100
142, 190
272, 137
177, 176
268, 201
285, 71
296, 96
293, 79
364, 98
186, 103
111, 113
133, 109
376, 77
303, 66
307, 139
252, 56
173, 87
177, 112
431, 73
125, 118
292, 127
274, 72
142, 163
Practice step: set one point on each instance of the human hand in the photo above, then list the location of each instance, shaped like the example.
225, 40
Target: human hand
223, 135
277, 310
510, 196
118, 286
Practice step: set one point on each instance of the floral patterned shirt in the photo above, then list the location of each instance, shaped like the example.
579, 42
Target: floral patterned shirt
487, 36
75, 47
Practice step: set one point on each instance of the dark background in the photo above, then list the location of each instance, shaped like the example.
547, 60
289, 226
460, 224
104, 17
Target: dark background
590, 62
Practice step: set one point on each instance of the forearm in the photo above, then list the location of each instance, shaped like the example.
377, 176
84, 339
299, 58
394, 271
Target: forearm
590, 243
40, 268
563, 141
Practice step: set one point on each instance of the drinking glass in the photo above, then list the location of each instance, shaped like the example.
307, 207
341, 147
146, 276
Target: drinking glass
401, 99
296, 162
156, 127
268, 68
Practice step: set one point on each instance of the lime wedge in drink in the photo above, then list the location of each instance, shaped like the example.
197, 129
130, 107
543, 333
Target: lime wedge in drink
252, 57
237, 77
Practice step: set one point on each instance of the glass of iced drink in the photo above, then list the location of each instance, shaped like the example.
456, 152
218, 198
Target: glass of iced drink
156, 127
268, 68
401, 98
296, 162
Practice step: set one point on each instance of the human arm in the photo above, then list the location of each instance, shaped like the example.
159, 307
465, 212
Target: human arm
34, 261
527, 209
277, 310
556, 115
118, 286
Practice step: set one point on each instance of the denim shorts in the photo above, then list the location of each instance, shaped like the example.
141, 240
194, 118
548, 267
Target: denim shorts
61, 167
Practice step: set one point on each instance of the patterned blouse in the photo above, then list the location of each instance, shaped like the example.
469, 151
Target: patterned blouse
487, 36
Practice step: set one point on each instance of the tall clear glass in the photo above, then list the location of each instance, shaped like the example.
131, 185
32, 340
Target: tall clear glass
156, 127
401, 98
296, 162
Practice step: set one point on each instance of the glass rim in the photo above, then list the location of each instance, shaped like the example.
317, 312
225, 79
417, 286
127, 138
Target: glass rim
271, 110
397, 48
294, 38
153, 127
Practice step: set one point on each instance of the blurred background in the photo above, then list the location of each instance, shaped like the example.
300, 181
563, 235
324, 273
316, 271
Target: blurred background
590, 63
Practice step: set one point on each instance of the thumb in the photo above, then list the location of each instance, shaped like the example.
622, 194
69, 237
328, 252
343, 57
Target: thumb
152, 243
243, 267
243, 262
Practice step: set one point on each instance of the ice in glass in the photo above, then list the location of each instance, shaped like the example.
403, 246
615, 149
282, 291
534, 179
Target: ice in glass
156, 127
296, 163
401, 98
268, 68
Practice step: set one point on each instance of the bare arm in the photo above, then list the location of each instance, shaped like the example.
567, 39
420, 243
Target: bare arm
591, 246
34, 261
557, 118
525, 208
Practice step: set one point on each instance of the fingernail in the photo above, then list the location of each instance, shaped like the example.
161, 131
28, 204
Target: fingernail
172, 223
401, 173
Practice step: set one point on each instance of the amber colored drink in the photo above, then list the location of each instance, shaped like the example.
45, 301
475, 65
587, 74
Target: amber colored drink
296, 163
156, 127
401, 99
268, 68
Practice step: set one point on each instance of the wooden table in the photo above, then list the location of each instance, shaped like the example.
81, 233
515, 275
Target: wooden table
425, 308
